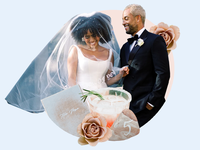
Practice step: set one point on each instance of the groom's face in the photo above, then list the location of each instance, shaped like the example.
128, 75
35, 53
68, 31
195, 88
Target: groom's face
129, 22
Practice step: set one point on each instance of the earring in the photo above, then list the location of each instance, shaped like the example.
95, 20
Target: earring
83, 39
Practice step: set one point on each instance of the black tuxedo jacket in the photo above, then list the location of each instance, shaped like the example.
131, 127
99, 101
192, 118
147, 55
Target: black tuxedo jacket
149, 71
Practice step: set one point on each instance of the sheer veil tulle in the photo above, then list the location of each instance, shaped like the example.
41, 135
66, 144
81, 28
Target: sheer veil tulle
48, 73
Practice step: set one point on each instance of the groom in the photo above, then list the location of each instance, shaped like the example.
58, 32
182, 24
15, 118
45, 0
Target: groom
147, 57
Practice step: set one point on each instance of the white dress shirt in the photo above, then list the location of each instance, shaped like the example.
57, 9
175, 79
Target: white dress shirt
139, 34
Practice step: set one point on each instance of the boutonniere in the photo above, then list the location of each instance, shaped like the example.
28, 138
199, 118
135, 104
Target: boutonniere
140, 42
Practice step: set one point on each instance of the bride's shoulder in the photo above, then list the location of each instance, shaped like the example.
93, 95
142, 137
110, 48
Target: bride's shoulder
105, 49
109, 51
73, 50
73, 47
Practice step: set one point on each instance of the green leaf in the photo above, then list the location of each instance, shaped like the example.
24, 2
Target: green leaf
85, 95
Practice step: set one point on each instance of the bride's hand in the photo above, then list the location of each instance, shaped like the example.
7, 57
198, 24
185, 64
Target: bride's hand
124, 71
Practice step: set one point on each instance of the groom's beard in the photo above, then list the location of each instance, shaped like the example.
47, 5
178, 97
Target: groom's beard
132, 30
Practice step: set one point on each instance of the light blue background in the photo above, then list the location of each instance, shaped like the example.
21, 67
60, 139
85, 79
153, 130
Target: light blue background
27, 26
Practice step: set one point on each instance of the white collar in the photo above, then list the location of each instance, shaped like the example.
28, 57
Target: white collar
139, 32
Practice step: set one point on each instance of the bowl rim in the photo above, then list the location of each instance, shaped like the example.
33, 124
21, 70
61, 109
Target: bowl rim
111, 88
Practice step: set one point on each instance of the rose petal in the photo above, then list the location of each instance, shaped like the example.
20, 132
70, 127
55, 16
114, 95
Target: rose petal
103, 121
172, 45
107, 135
166, 37
176, 32
84, 128
88, 116
79, 130
170, 31
82, 141
102, 132
92, 142
163, 25
93, 130
159, 30
94, 120
89, 136
153, 29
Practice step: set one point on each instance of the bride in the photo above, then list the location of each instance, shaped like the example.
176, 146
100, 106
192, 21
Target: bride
90, 64
84, 52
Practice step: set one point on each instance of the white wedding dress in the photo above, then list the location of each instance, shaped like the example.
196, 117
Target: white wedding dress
91, 73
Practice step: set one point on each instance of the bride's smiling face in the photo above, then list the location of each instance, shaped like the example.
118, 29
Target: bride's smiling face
91, 39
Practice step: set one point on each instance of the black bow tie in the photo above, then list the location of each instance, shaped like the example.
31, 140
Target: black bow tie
131, 40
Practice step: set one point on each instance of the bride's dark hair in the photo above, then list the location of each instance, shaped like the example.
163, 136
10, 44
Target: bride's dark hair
98, 24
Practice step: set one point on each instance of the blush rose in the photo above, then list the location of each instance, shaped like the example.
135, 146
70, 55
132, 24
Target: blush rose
93, 130
170, 34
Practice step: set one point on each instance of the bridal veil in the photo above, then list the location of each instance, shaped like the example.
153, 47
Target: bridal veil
47, 74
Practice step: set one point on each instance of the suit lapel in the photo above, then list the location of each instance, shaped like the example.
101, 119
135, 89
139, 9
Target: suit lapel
137, 47
127, 52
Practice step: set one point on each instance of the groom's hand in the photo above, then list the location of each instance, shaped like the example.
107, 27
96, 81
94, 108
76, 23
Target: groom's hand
126, 71
149, 107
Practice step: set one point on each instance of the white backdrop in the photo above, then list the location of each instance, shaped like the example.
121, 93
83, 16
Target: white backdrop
27, 26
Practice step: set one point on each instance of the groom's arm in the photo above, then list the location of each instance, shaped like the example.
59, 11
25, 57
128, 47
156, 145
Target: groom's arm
162, 71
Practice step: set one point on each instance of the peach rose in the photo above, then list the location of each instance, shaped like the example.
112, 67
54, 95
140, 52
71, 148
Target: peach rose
93, 130
169, 33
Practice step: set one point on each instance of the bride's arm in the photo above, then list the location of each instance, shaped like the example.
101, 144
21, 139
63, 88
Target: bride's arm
123, 72
72, 63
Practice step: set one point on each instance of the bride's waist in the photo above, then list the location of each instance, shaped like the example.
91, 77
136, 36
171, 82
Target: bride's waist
90, 79
92, 84
99, 81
